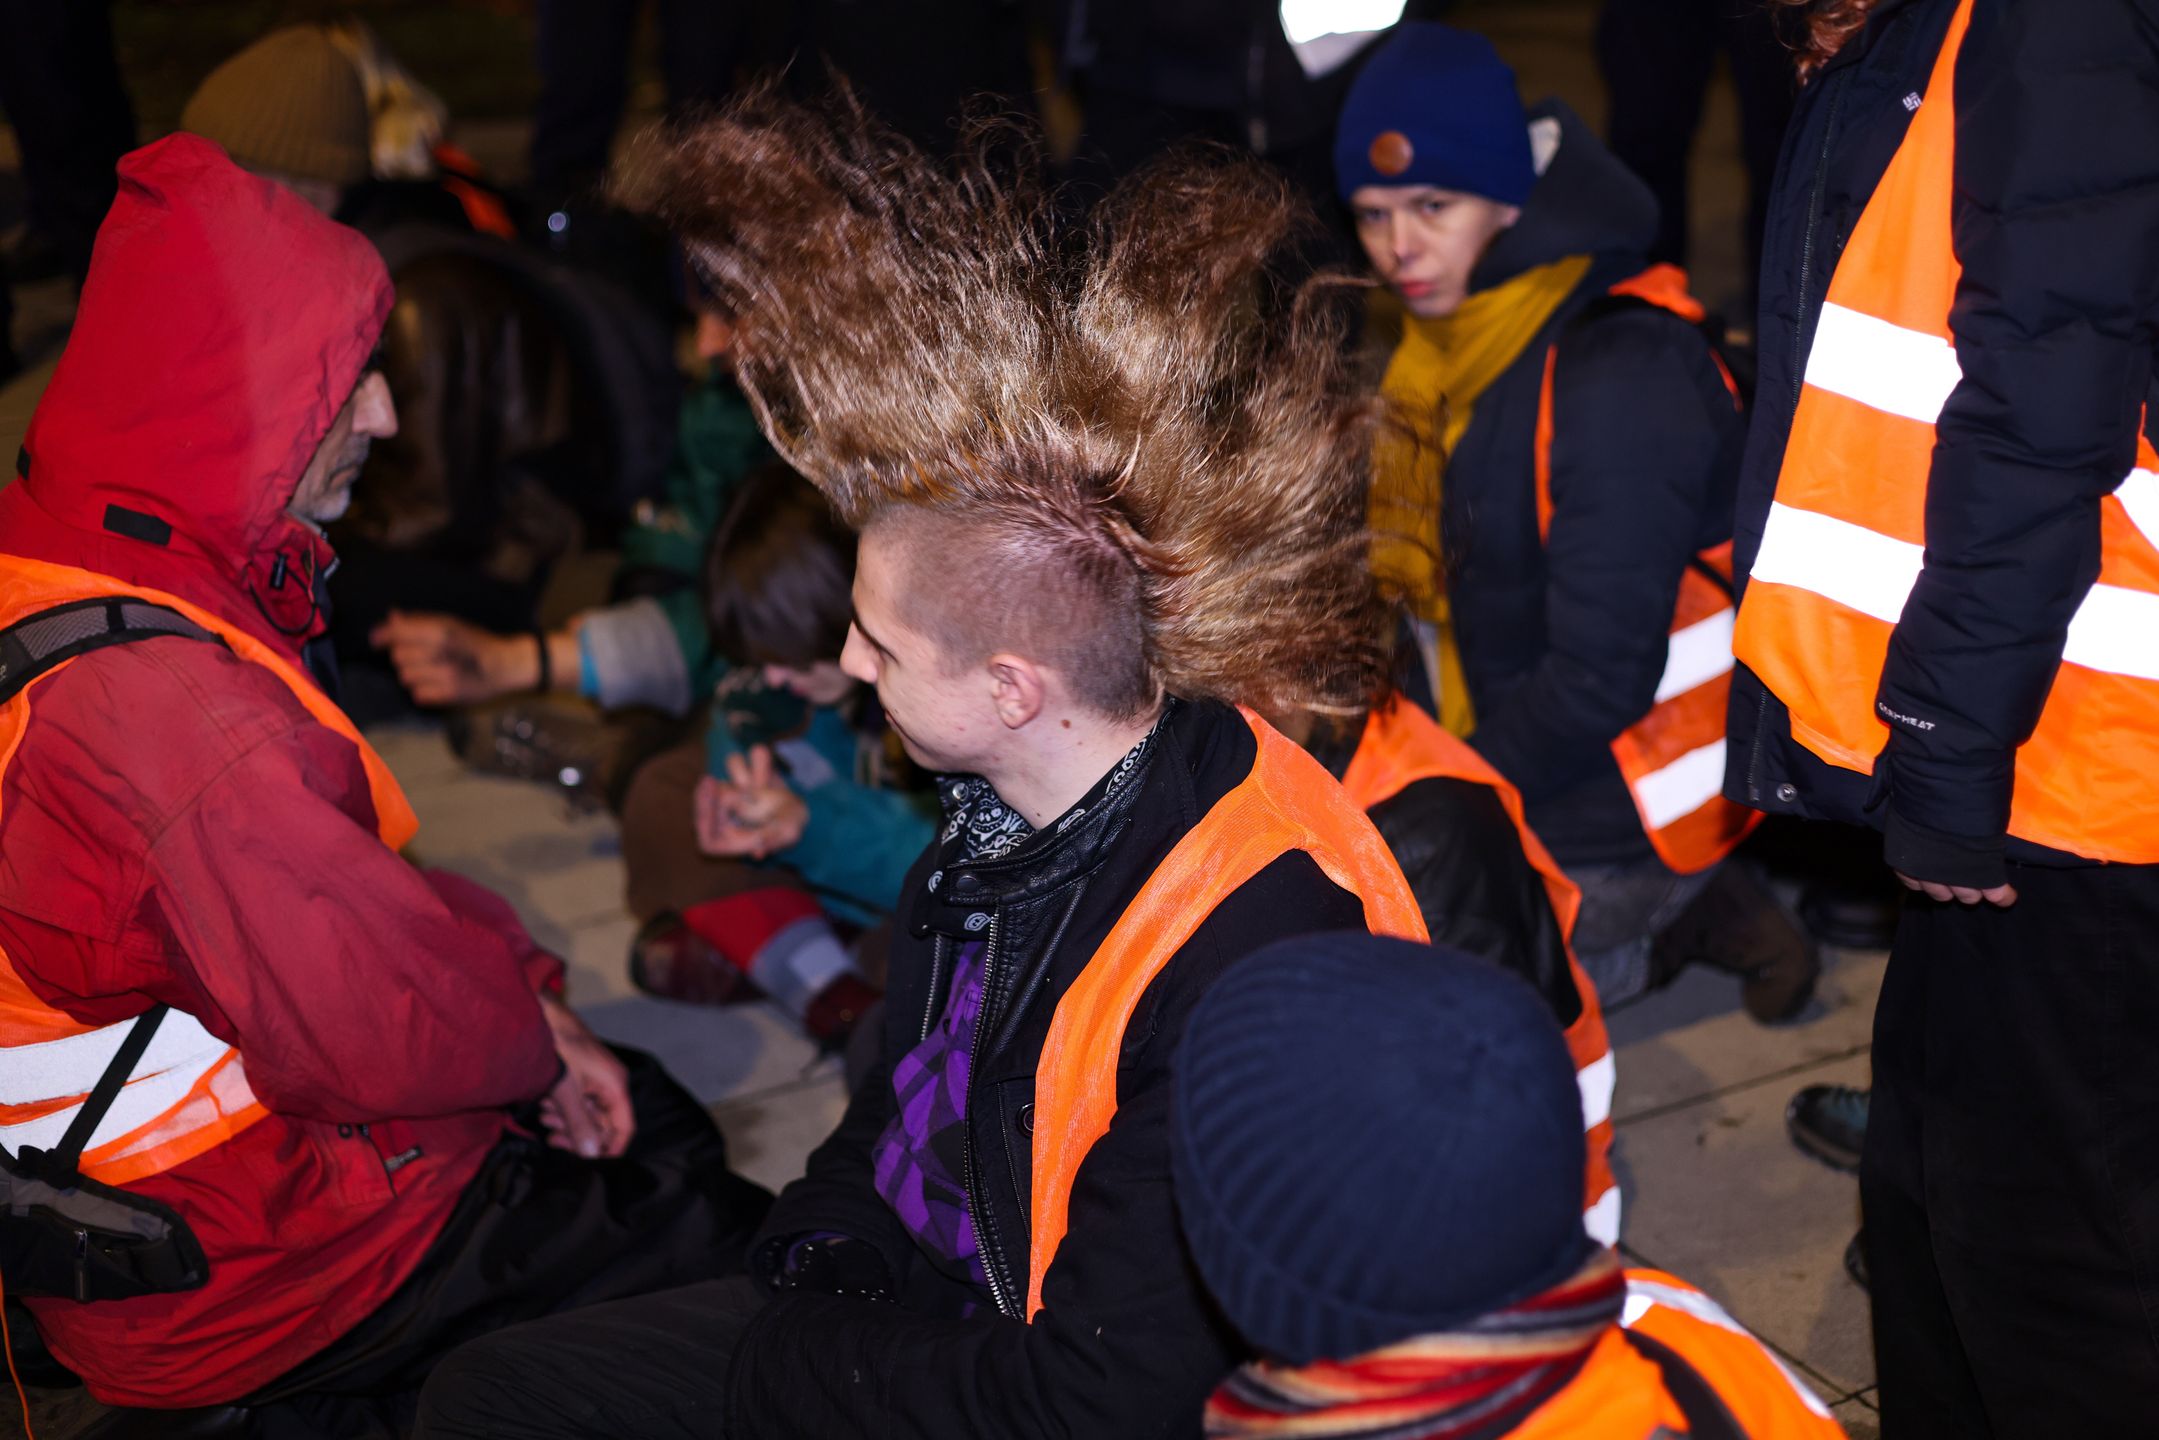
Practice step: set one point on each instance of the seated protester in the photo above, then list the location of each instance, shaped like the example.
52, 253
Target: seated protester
1578, 620
346, 1099
1069, 567
649, 648
797, 830
539, 403
1377, 1161
1484, 885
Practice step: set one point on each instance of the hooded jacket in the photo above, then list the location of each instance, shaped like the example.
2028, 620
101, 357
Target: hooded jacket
2054, 216
1563, 640
175, 827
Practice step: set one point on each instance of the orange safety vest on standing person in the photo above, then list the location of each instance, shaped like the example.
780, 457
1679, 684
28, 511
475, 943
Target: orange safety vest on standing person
1673, 757
1846, 534
1288, 802
1402, 745
189, 1092
1622, 1393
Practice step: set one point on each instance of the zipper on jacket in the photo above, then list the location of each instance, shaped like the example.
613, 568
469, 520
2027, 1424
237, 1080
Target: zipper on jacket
976, 1211
930, 1006
1806, 253
1754, 749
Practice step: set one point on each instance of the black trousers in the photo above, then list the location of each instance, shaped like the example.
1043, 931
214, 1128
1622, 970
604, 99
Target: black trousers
1657, 57
539, 1231
2010, 1181
654, 1367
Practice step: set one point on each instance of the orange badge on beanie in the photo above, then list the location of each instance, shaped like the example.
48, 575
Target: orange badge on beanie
1391, 153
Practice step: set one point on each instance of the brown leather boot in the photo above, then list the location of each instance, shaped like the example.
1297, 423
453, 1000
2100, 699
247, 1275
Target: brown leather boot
1739, 926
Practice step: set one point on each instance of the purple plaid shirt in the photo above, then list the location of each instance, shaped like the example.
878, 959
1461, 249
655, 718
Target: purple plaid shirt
918, 1165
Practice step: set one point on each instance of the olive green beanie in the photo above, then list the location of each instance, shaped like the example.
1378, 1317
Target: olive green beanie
291, 104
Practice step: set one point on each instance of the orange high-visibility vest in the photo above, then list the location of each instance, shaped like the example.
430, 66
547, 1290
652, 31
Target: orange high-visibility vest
1673, 757
1288, 802
1620, 1392
189, 1092
1402, 745
1846, 535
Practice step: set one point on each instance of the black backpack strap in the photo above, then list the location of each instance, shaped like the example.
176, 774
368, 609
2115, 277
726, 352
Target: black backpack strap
1707, 1416
69, 1151
32, 646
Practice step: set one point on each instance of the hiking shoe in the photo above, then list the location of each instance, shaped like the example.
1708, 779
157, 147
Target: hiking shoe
566, 745
1848, 917
1855, 1260
1738, 925
1829, 1122
670, 960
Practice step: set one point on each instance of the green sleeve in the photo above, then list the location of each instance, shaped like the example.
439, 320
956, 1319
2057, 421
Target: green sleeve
860, 841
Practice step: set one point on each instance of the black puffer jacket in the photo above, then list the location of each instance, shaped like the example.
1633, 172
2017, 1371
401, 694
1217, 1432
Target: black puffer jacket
1127, 1345
1563, 641
2056, 223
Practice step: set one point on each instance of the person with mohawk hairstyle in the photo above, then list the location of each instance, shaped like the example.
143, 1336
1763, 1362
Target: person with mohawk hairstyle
1111, 498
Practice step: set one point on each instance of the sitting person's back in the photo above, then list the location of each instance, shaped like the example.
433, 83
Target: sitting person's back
1378, 1161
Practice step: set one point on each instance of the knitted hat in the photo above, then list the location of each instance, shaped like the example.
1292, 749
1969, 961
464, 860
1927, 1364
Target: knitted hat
291, 103
1373, 1140
1435, 106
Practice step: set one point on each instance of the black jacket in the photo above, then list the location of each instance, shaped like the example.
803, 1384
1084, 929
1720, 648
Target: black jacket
1127, 1344
1563, 641
2056, 224
1463, 858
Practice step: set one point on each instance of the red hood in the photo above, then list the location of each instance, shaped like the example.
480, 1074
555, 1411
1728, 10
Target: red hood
222, 326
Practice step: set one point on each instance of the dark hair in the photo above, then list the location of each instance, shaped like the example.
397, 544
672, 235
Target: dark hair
1824, 27
779, 577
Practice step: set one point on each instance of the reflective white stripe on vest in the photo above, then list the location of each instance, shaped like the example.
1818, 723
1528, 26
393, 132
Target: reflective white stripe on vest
1858, 568
1697, 654
1682, 787
2115, 630
1597, 1080
1601, 1220
180, 1054
1884, 366
1642, 1294
2139, 495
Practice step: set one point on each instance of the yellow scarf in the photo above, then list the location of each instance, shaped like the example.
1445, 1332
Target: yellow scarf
1432, 383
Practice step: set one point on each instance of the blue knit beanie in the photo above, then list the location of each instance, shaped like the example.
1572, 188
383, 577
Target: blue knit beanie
1435, 106
1374, 1139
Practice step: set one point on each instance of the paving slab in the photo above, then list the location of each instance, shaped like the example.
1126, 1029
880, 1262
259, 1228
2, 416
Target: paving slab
1691, 1039
1716, 1193
719, 1053
1860, 1421
770, 1137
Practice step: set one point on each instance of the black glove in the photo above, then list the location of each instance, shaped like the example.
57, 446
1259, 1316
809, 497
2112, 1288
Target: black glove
823, 1264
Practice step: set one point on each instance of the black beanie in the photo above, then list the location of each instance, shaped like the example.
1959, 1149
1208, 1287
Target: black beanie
1372, 1140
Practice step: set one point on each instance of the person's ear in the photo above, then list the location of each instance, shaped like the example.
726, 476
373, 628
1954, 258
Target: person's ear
1017, 689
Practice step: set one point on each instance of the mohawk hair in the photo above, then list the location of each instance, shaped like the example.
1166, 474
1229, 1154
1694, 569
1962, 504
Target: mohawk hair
1160, 440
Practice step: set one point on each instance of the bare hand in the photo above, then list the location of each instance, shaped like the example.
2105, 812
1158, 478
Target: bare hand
752, 812
443, 660
588, 1112
2002, 896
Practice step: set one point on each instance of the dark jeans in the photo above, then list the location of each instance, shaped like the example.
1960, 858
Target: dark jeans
539, 1231
654, 1368
1657, 57
2010, 1179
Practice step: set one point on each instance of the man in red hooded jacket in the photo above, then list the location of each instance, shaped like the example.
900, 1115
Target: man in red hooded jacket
189, 820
